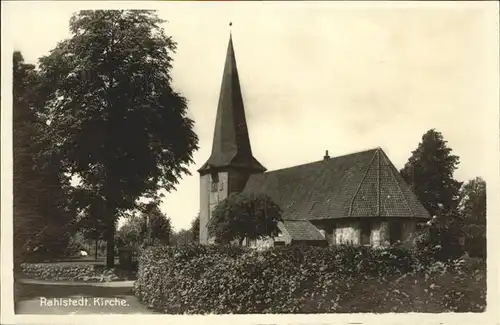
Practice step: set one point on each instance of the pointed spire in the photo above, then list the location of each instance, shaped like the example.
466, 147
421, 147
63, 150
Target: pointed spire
231, 143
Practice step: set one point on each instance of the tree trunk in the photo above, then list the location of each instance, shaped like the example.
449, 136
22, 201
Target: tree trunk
96, 243
241, 241
110, 243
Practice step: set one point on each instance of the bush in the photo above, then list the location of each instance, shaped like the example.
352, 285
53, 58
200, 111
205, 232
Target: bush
73, 272
211, 279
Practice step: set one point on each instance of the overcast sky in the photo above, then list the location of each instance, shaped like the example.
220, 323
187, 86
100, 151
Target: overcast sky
316, 76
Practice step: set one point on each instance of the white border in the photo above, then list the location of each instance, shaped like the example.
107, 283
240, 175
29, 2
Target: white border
491, 316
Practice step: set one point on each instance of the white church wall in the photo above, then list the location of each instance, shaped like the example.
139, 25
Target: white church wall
204, 208
347, 233
380, 234
264, 243
409, 232
209, 200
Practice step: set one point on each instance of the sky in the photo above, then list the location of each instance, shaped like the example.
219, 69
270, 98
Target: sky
316, 76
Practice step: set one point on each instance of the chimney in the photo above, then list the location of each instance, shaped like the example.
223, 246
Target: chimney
326, 157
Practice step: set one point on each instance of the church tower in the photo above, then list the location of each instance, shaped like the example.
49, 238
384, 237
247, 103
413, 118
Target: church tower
231, 162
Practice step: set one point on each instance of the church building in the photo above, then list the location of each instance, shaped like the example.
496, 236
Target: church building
357, 199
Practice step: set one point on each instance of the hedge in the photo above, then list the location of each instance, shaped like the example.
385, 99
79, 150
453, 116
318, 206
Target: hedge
72, 272
222, 280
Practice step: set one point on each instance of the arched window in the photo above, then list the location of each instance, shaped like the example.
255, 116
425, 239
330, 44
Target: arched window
214, 177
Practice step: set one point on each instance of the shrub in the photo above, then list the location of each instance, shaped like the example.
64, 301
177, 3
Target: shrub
301, 279
73, 272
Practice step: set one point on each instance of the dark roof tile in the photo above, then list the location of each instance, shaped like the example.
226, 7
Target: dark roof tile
302, 230
362, 184
231, 144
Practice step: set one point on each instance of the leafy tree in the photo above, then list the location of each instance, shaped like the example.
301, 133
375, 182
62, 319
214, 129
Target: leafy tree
148, 227
181, 237
133, 232
195, 229
41, 210
473, 201
159, 227
429, 172
89, 220
117, 122
93, 228
473, 210
240, 216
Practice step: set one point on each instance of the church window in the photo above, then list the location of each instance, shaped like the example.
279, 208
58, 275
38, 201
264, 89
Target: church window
395, 231
366, 231
215, 182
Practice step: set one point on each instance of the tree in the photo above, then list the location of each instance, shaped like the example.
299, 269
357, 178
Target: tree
93, 228
133, 232
159, 227
89, 220
195, 229
473, 201
429, 172
181, 237
41, 210
472, 207
240, 216
118, 124
148, 227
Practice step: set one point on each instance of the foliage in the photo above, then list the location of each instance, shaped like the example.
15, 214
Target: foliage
187, 236
159, 227
240, 216
472, 207
80, 271
41, 211
117, 122
181, 237
429, 172
233, 279
149, 227
89, 220
195, 229
132, 233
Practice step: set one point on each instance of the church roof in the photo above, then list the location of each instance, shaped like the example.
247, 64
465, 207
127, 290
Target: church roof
231, 143
302, 230
362, 184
